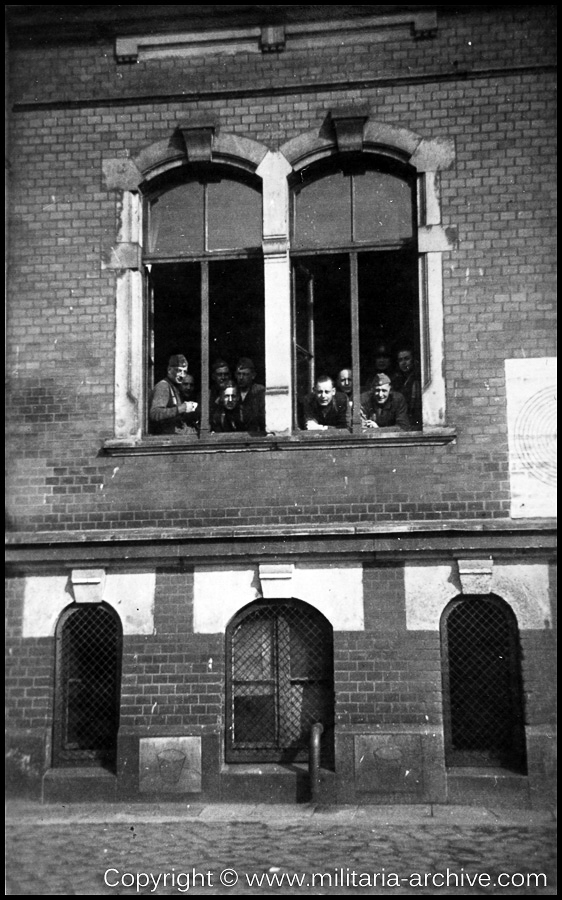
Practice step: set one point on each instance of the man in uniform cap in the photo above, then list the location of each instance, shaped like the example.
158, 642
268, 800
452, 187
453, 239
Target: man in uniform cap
382, 407
169, 412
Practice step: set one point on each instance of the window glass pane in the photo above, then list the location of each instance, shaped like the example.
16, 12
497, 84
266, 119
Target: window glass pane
235, 216
252, 652
176, 221
236, 313
323, 213
322, 321
177, 316
382, 208
388, 310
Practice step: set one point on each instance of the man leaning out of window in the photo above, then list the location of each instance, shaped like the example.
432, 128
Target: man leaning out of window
169, 412
325, 408
381, 407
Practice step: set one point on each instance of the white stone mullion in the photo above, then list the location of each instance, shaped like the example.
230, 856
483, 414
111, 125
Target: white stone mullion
129, 323
274, 170
431, 243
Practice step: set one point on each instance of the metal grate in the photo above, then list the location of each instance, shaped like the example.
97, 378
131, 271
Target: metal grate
89, 652
281, 682
484, 697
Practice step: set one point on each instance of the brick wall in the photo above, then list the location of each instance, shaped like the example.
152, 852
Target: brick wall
498, 283
29, 684
173, 679
388, 679
514, 36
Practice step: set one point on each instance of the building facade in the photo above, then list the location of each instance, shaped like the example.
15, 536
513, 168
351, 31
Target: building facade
294, 185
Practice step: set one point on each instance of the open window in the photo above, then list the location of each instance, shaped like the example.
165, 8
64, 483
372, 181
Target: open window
204, 274
300, 258
355, 270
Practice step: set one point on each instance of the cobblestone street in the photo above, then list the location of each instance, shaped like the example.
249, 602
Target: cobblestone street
124, 849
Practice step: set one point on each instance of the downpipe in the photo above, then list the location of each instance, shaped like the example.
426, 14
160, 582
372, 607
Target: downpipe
314, 760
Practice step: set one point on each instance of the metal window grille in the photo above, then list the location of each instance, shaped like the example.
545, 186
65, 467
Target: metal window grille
483, 700
88, 670
280, 666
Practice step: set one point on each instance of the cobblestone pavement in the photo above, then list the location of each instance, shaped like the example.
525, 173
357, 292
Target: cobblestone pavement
127, 849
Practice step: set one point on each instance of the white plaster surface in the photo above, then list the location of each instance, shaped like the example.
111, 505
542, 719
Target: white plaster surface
428, 590
532, 434
218, 593
130, 594
525, 587
335, 591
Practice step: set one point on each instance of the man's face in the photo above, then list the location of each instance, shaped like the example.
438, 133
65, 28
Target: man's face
382, 358
324, 391
244, 377
177, 374
345, 381
189, 385
221, 375
405, 361
382, 393
230, 397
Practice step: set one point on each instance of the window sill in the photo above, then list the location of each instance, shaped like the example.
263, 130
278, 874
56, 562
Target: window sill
236, 443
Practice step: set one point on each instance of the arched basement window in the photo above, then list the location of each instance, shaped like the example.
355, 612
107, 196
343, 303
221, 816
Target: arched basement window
279, 682
482, 694
87, 689
355, 269
205, 283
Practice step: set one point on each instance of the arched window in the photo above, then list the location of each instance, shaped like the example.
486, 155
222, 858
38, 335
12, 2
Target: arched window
279, 682
202, 255
482, 695
88, 680
301, 258
355, 269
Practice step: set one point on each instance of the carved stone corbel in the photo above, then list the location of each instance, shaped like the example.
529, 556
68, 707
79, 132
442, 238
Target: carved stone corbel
476, 575
88, 585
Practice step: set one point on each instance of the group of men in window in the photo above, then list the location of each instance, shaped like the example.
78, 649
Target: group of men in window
237, 403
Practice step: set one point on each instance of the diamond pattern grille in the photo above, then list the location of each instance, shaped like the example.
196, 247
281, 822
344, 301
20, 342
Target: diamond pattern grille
483, 691
89, 661
281, 682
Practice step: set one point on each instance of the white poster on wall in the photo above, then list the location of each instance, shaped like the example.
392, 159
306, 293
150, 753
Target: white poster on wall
531, 421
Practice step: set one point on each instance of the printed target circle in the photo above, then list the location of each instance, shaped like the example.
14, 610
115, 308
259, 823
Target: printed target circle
535, 435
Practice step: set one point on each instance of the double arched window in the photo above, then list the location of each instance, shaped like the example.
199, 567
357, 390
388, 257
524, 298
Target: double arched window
301, 259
